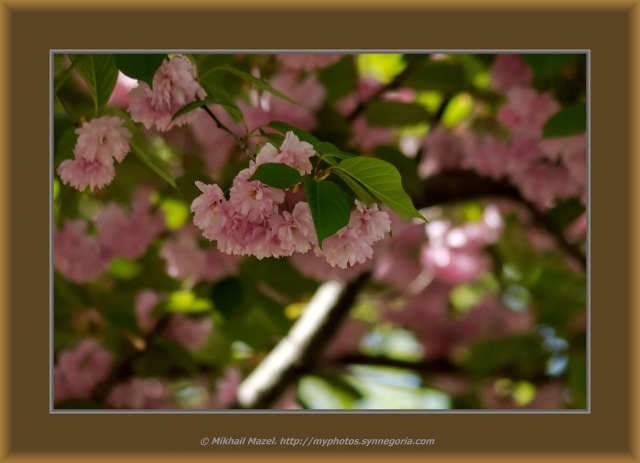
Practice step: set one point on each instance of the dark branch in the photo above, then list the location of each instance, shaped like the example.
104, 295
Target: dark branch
240, 140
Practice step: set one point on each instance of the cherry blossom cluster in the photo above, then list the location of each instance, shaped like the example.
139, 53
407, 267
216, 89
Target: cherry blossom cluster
100, 142
250, 222
82, 257
174, 86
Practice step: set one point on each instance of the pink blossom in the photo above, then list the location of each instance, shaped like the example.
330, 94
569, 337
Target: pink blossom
487, 156
577, 230
139, 393
370, 221
526, 111
563, 147
295, 230
308, 61
309, 93
80, 173
347, 246
145, 302
120, 96
77, 255
397, 271
103, 140
541, 183
365, 90
217, 145
217, 265
125, 235
491, 319
509, 71
296, 154
254, 199
79, 371
368, 137
188, 331
184, 257
443, 150
208, 209
317, 268
453, 266
227, 387
174, 86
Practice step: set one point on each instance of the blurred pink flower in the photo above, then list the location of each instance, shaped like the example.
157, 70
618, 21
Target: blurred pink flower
145, 302
191, 332
217, 145
140, 394
347, 340
489, 156
125, 235
526, 111
317, 268
227, 387
80, 370
308, 61
309, 93
443, 150
509, 71
120, 96
76, 254
367, 137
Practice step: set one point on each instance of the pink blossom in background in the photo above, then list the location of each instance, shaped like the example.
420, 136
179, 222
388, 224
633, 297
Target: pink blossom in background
145, 302
217, 265
491, 319
184, 257
365, 90
76, 254
174, 86
488, 156
120, 96
577, 230
308, 61
217, 145
397, 271
526, 111
308, 92
541, 183
227, 387
79, 371
509, 71
367, 137
563, 147
347, 340
140, 394
193, 333
127, 235
548, 396
288, 401
442, 150
454, 255
540, 240
80, 173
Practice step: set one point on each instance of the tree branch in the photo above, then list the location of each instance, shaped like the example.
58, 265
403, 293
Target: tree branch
240, 140
299, 351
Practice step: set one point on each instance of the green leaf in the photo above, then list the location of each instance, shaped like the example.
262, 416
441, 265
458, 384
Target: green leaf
546, 65
178, 353
66, 144
361, 192
100, 73
140, 67
274, 138
191, 106
276, 175
437, 75
570, 120
330, 207
257, 82
383, 181
394, 113
283, 128
63, 77
182, 302
340, 383
124, 269
220, 97
227, 296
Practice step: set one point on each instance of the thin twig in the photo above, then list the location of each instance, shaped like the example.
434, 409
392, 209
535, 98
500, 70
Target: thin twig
240, 140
